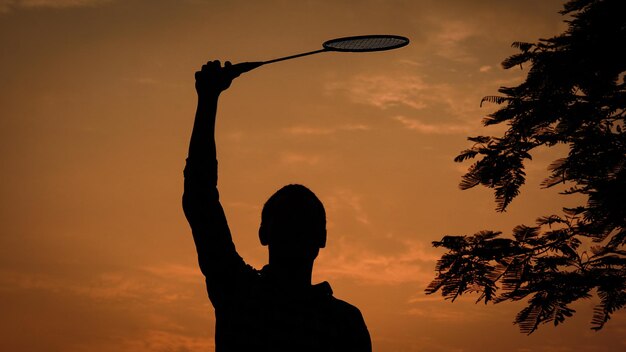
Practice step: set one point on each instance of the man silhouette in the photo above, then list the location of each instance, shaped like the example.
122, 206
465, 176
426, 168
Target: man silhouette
276, 308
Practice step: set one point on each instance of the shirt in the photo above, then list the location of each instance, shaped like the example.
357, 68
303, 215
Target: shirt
252, 312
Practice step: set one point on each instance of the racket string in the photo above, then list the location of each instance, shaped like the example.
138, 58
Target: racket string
372, 43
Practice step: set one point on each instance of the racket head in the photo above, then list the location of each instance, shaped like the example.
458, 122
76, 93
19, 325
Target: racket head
365, 43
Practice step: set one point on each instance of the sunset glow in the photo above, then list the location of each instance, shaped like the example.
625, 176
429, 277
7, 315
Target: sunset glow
96, 110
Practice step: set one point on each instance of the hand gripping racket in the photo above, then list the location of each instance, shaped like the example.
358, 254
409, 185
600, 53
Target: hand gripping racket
362, 43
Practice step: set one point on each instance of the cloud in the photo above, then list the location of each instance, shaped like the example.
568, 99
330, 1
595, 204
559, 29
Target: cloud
165, 341
436, 308
425, 128
448, 41
299, 158
485, 68
156, 339
450, 315
414, 264
410, 62
518, 77
345, 199
148, 81
384, 91
8, 5
138, 309
409, 90
400, 262
308, 130
157, 284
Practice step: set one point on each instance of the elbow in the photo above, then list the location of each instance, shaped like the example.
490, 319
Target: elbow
199, 205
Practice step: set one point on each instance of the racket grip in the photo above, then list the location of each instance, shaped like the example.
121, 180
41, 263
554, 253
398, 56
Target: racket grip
244, 67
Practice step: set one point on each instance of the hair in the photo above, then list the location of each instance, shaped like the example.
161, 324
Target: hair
294, 205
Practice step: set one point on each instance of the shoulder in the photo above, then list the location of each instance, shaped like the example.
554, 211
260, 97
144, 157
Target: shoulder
336, 307
344, 307
348, 322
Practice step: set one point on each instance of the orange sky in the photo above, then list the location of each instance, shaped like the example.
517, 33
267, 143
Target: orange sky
96, 109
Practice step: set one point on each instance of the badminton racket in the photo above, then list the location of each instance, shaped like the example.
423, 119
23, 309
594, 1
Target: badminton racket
357, 44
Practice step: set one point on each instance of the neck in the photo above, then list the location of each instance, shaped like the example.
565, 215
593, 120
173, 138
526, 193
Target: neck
290, 276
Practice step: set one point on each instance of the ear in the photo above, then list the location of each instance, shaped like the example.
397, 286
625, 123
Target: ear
322, 242
264, 235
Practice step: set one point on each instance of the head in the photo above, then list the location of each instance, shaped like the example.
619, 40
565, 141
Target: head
293, 224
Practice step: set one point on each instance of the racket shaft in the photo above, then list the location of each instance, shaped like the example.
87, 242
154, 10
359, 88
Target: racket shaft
294, 56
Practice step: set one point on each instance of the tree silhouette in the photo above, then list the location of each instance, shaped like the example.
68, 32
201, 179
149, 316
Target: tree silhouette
574, 94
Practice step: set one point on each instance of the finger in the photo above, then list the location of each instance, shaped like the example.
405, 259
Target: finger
208, 64
232, 72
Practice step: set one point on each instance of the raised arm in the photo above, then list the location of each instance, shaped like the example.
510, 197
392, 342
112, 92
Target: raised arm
211, 81
216, 252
